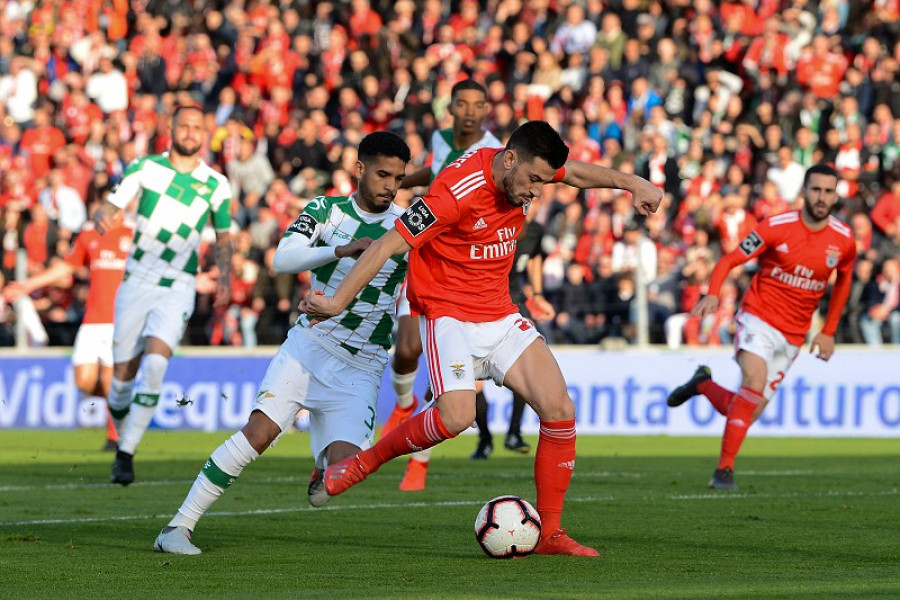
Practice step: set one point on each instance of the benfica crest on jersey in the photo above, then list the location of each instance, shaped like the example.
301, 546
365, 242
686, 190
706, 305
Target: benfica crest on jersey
832, 257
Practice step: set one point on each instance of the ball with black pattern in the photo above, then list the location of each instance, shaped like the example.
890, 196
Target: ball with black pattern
507, 527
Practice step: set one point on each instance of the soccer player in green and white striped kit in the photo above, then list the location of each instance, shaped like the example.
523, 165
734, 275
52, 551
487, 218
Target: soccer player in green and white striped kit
177, 193
332, 368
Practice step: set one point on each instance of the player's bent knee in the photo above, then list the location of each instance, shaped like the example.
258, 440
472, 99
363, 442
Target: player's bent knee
153, 369
457, 416
85, 382
556, 408
260, 431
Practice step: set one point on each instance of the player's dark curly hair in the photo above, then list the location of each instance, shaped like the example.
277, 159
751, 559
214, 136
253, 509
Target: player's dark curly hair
382, 143
537, 139
820, 169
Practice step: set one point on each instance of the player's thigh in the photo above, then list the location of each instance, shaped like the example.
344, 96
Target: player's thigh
341, 402
93, 345
169, 317
778, 367
133, 306
285, 385
536, 377
754, 345
450, 354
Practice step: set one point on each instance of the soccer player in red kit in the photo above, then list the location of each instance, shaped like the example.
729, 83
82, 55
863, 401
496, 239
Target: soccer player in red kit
797, 253
105, 256
462, 234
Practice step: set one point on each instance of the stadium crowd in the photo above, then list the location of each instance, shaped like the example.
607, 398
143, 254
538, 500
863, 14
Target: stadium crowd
723, 104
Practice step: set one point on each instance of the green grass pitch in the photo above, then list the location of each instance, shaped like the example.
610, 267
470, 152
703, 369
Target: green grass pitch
813, 519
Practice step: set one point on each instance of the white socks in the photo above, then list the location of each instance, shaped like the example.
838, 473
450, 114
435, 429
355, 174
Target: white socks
403, 387
119, 400
153, 368
221, 470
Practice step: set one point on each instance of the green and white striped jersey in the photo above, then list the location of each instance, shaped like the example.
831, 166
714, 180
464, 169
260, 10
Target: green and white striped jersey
361, 334
443, 153
172, 209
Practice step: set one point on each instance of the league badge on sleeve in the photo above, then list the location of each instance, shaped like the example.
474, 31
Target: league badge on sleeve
418, 217
751, 243
305, 224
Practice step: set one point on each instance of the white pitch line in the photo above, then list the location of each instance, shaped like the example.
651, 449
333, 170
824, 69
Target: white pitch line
276, 511
407, 505
828, 494
254, 481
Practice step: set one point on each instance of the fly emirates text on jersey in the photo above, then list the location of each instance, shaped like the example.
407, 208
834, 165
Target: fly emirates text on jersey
800, 278
506, 245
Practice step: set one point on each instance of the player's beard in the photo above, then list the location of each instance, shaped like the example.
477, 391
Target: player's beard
373, 205
818, 213
186, 151
513, 195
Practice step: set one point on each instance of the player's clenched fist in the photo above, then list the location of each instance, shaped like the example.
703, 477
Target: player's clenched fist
646, 197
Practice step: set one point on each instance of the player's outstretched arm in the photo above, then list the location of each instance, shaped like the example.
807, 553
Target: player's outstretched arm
710, 302
420, 178
16, 289
646, 196
318, 306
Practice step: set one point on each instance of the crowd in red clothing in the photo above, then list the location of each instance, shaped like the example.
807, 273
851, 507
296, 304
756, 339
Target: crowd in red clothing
722, 104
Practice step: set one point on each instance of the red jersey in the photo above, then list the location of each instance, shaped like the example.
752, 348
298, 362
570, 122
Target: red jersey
463, 234
795, 264
105, 255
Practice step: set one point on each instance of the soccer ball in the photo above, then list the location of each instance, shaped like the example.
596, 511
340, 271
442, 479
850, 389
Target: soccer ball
507, 527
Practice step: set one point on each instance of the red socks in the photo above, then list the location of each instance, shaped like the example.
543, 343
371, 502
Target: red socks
554, 462
422, 431
740, 417
718, 396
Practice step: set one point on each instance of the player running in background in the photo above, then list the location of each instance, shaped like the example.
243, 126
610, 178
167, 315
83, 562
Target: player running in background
332, 368
471, 329
177, 192
92, 355
797, 251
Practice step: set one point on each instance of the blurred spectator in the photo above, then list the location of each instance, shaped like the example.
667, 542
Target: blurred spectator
882, 301
721, 104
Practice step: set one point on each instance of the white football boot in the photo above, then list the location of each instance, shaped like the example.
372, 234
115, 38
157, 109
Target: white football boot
177, 540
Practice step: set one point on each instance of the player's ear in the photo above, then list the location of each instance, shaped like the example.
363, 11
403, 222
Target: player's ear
360, 170
509, 158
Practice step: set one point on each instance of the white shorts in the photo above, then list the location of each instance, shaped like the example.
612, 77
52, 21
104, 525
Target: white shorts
340, 397
403, 302
459, 352
144, 311
93, 344
758, 337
